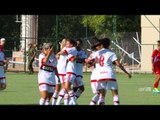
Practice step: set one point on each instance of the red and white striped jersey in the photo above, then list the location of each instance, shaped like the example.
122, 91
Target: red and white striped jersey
47, 71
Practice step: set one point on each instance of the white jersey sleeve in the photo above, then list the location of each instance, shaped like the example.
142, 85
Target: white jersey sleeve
93, 55
113, 57
69, 50
72, 53
41, 57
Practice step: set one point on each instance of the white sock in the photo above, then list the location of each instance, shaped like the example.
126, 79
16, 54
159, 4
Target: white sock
94, 99
47, 102
101, 100
42, 101
54, 97
72, 98
116, 100
66, 99
78, 93
61, 95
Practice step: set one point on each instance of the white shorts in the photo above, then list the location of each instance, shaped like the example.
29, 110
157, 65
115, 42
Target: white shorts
93, 75
47, 87
107, 85
70, 77
3, 80
105, 74
78, 81
94, 86
57, 81
62, 78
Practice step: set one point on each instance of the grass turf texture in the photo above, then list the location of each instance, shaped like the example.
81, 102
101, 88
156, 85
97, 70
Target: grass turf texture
22, 89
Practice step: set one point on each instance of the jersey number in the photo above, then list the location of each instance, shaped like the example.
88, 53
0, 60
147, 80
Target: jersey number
101, 60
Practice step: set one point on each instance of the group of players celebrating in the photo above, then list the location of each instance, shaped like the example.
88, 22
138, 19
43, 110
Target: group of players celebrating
61, 76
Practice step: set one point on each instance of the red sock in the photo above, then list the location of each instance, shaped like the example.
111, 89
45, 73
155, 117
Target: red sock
156, 84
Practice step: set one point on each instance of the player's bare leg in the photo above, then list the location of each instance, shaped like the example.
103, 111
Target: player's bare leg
48, 98
115, 97
44, 96
156, 83
66, 99
55, 95
61, 94
2, 86
102, 94
70, 93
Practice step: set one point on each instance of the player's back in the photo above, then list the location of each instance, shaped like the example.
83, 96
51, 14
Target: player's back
71, 65
105, 59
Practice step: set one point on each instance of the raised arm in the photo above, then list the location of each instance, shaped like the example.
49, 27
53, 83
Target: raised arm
44, 61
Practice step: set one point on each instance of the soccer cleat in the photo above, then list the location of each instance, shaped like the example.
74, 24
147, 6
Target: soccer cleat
155, 90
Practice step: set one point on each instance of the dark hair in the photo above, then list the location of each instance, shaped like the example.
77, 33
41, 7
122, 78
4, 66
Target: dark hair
73, 42
158, 41
106, 42
80, 41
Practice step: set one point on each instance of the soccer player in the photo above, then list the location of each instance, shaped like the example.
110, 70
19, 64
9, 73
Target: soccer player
155, 59
71, 52
78, 86
2, 72
46, 74
71, 71
2, 67
93, 78
61, 67
104, 59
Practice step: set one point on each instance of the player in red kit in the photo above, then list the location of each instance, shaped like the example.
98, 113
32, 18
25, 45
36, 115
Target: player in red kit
156, 66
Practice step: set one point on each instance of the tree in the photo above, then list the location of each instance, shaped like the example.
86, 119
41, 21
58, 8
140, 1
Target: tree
68, 26
10, 30
104, 24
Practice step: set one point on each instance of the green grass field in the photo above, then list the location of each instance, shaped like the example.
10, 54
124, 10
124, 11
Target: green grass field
22, 89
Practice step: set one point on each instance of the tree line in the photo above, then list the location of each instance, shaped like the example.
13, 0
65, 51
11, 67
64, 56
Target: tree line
57, 27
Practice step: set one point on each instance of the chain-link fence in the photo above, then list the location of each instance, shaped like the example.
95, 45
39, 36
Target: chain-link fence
125, 45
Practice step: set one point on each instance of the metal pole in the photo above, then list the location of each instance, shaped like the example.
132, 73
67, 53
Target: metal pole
25, 47
86, 37
139, 45
132, 63
87, 28
56, 33
125, 51
114, 24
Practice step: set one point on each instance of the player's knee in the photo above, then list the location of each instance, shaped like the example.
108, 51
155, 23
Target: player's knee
75, 89
3, 86
82, 88
58, 87
102, 92
44, 97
